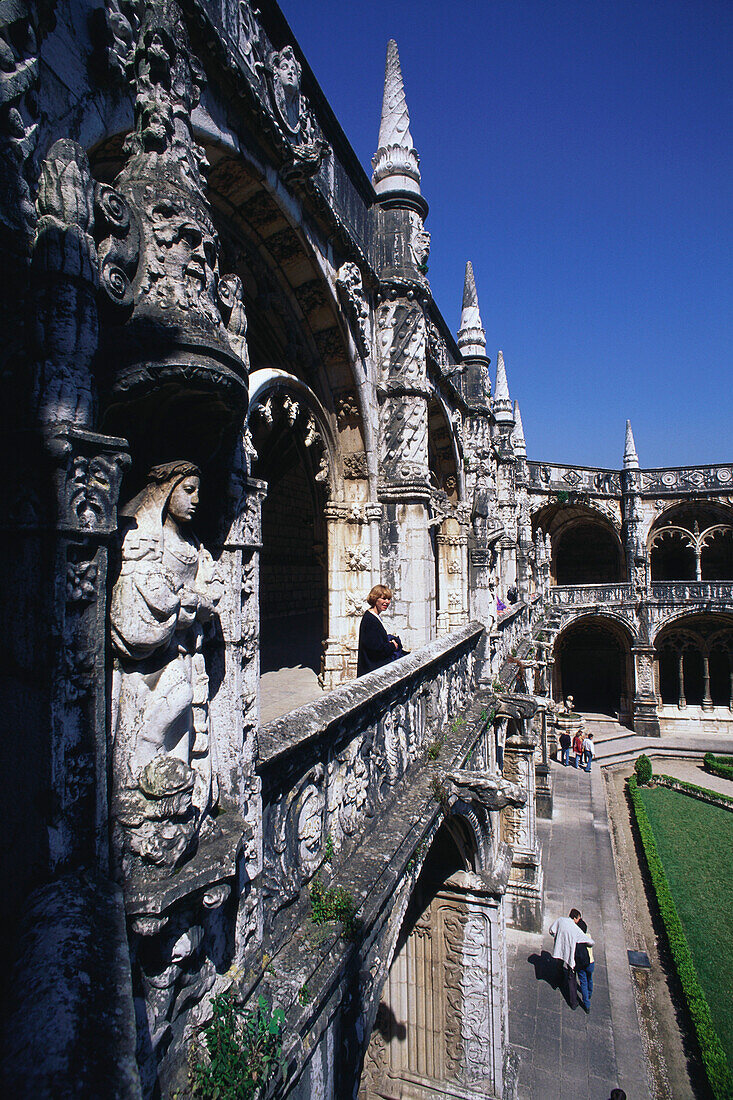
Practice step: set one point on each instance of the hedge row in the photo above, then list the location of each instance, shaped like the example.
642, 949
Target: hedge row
723, 800
719, 765
713, 1056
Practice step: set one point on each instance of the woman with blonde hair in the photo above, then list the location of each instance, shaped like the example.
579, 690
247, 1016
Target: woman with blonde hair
376, 646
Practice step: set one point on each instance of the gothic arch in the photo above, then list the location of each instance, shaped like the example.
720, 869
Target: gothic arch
593, 663
586, 544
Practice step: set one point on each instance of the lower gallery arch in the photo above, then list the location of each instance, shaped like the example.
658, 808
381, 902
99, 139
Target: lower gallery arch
439, 1025
694, 661
593, 664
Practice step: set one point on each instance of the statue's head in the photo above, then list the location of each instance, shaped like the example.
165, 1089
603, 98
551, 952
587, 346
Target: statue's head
172, 489
287, 69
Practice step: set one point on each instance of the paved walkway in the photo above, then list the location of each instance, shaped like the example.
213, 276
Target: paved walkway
566, 1055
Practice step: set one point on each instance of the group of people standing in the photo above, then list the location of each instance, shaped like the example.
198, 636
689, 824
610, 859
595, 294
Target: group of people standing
582, 747
573, 951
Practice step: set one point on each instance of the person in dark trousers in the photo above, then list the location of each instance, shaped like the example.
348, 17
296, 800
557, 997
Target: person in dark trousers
376, 646
567, 936
565, 743
584, 967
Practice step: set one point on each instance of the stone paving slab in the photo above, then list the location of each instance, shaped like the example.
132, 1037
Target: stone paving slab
564, 1053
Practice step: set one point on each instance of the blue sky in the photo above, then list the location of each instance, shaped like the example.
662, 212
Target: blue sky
581, 155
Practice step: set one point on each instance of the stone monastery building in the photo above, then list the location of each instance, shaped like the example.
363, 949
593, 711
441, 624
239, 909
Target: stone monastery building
205, 296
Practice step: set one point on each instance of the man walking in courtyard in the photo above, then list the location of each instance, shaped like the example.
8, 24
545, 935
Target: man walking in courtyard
567, 936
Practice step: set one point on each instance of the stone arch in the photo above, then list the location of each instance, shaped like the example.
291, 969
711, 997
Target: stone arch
440, 1013
692, 540
593, 663
291, 448
694, 661
586, 544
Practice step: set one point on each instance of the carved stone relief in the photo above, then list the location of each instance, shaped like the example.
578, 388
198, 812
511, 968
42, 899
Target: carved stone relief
351, 289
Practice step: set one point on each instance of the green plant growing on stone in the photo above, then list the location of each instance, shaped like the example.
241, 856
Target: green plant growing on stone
643, 770
457, 723
562, 496
244, 1048
440, 792
328, 852
333, 903
304, 995
434, 748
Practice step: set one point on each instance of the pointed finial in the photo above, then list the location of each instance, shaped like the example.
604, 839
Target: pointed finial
395, 163
503, 411
631, 461
471, 335
520, 447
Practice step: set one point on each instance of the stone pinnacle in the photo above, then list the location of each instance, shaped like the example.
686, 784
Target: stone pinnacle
503, 411
395, 163
520, 447
631, 460
471, 335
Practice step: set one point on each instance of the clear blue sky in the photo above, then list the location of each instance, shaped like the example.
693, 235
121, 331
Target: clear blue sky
580, 153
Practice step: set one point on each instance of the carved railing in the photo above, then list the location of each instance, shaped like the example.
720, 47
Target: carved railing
583, 595
678, 591
331, 766
513, 627
549, 476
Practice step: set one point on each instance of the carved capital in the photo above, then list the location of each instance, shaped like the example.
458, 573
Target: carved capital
88, 475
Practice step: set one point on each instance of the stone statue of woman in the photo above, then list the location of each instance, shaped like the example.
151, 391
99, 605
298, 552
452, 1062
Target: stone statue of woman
166, 591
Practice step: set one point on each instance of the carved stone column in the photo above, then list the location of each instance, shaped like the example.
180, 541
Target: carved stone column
519, 830
452, 542
406, 553
87, 479
543, 775
646, 720
353, 569
234, 710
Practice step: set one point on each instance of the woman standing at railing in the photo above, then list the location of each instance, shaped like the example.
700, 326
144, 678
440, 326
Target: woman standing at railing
376, 646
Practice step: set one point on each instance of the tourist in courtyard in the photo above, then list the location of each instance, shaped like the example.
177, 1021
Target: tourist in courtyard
565, 743
588, 751
376, 646
567, 936
584, 966
577, 749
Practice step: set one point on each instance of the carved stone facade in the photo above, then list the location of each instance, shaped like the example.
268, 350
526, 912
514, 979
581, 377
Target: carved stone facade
207, 297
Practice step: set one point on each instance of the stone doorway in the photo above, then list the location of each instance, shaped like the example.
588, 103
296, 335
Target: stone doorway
439, 1025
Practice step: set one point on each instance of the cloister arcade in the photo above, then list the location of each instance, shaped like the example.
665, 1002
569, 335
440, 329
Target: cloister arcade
586, 545
593, 663
692, 542
694, 663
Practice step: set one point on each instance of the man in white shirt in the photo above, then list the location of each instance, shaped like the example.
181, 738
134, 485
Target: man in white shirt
567, 935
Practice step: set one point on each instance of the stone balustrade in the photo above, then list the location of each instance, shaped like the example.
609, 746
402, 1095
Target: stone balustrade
678, 591
589, 595
329, 767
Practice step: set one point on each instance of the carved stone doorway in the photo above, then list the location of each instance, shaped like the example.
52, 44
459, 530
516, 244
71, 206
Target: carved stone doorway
592, 664
442, 1016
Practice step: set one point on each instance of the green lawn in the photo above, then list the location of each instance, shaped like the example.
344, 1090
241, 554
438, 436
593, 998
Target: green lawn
695, 844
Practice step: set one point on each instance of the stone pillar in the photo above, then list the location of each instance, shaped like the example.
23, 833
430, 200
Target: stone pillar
407, 556
235, 708
543, 775
353, 569
645, 718
519, 830
452, 542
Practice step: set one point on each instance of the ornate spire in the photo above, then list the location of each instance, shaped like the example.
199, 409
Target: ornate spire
395, 163
471, 335
503, 412
631, 460
520, 447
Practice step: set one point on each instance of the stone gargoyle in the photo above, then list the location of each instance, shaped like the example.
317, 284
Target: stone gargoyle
492, 792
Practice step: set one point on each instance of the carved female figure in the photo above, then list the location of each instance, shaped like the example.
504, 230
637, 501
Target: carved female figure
165, 592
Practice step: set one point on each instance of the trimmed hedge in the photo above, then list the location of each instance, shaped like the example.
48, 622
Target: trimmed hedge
713, 1056
713, 797
718, 765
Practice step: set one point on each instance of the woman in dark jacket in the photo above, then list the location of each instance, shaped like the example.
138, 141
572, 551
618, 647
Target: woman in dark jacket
376, 646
